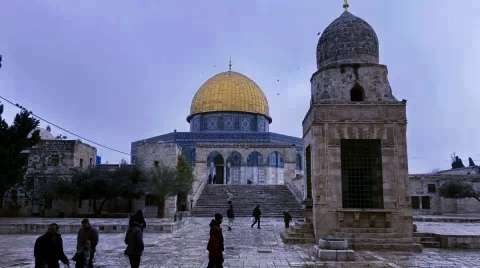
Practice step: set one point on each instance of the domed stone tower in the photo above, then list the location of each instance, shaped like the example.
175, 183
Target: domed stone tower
229, 101
355, 142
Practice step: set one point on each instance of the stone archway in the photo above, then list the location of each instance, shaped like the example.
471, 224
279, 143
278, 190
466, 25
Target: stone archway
234, 172
276, 165
216, 167
254, 165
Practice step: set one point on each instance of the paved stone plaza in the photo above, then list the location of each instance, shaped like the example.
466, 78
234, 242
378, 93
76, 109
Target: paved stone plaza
244, 247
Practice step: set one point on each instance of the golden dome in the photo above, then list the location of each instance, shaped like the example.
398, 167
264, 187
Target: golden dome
229, 92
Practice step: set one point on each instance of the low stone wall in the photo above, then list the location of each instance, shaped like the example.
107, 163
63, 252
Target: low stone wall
459, 219
460, 241
69, 228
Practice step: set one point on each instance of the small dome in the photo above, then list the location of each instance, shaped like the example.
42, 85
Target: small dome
44, 133
229, 92
348, 39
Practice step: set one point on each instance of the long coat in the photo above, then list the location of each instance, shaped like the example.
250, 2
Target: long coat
48, 251
134, 241
215, 243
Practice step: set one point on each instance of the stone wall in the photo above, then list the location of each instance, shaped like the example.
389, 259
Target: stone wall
333, 84
149, 154
328, 125
49, 160
426, 187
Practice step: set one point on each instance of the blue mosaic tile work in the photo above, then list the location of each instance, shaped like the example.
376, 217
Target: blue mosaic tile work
228, 122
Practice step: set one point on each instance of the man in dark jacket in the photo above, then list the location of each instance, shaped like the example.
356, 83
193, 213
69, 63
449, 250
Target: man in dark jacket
134, 241
215, 243
87, 233
256, 215
49, 249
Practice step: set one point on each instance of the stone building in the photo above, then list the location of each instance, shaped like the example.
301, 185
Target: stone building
229, 142
50, 159
355, 141
426, 199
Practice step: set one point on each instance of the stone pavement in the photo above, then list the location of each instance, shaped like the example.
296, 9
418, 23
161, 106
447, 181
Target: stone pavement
244, 247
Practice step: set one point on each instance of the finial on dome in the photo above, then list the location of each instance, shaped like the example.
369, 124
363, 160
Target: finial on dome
345, 5
230, 64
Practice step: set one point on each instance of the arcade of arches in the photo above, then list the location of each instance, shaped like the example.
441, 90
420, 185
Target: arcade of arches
253, 167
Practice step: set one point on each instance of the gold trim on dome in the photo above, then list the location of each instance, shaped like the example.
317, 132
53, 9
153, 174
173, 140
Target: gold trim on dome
229, 92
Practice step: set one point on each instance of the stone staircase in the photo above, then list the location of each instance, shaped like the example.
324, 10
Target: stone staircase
428, 240
273, 200
377, 239
299, 233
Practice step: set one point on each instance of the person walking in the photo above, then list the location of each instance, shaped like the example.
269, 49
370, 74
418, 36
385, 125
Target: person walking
89, 234
215, 243
48, 249
229, 196
230, 216
138, 217
256, 215
134, 242
287, 218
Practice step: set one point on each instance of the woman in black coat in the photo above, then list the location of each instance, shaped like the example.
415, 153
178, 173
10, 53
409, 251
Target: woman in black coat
134, 241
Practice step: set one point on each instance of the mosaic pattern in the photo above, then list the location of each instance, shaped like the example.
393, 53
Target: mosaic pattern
229, 121
229, 92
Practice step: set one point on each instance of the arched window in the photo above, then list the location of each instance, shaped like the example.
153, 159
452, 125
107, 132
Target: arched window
299, 162
215, 166
235, 159
254, 159
357, 93
234, 173
275, 159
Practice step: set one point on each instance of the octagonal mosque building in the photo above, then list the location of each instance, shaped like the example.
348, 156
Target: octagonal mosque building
229, 142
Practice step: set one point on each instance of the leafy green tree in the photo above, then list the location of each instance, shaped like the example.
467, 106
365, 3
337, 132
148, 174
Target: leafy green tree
100, 186
13, 140
458, 190
184, 182
163, 181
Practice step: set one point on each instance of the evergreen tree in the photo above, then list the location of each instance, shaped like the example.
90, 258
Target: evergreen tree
13, 140
470, 162
457, 162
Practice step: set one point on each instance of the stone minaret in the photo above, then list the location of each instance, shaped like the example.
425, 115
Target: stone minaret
355, 142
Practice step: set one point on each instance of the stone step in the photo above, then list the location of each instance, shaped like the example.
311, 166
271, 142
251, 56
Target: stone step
369, 235
297, 234
273, 200
413, 247
365, 230
289, 239
430, 244
380, 240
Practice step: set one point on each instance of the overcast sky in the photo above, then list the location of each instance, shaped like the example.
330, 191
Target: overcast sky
120, 71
